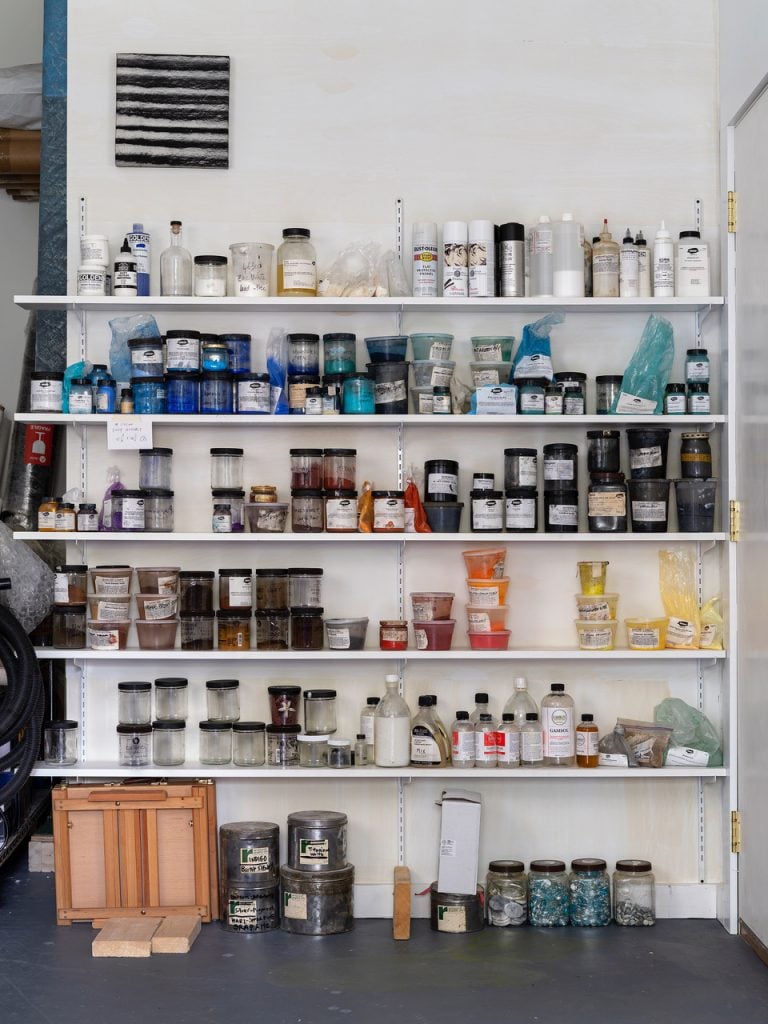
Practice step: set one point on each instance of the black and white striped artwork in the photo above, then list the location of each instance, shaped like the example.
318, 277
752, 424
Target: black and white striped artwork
172, 110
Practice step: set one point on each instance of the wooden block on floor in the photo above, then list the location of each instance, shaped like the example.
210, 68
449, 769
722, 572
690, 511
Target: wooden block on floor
125, 936
176, 934
401, 909
40, 853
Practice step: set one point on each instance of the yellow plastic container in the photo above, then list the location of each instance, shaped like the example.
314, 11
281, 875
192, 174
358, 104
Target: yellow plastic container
646, 634
592, 577
596, 636
596, 607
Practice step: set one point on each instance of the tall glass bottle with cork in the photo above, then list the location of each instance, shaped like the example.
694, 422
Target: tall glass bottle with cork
176, 265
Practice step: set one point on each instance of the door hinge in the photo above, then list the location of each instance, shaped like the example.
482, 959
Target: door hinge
735, 831
732, 212
734, 510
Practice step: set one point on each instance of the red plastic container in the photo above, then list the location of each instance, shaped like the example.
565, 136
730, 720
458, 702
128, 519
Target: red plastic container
496, 641
435, 635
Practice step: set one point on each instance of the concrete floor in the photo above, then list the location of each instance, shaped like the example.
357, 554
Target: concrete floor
677, 971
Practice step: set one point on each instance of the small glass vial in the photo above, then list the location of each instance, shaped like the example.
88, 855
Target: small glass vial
319, 711
134, 703
587, 735
215, 742
506, 893
211, 276
223, 700
80, 396
339, 753
215, 355
674, 400
574, 403
87, 518
463, 741
590, 889
248, 744
168, 743
698, 400
634, 894
485, 742
696, 366
226, 467
306, 629
313, 750
307, 508
221, 520
548, 895
60, 742
441, 401
508, 742
134, 745
361, 750
296, 263
531, 745
283, 745
171, 698
126, 402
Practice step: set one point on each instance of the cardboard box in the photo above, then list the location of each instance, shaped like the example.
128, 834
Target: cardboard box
459, 841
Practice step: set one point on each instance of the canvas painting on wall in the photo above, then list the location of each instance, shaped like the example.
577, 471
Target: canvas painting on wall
172, 110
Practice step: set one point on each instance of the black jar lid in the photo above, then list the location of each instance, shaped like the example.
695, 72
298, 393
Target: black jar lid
182, 334
345, 452
227, 492
531, 716
65, 505
561, 446
303, 337
304, 232
59, 609
71, 568
607, 478
570, 375
165, 725
126, 493
128, 730
196, 574
439, 389
388, 494
284, 690
547, 865
485, 492
340, 337
196, 615
588, 864
156, 492
86, 506
695, 436
340, 494
272, 613
511, 232
144, 343
137, 380
690, 234
303, 378
62, 723
607, 435
633, 865
311, 452
521, 492
134, 687
675, 389
698, 387
234, 337
81, 382
696, 352
171, 681
217, 375
305, 572
156, 451
46, 375
319, 694
117, 566
235, 572
272, 572
372, 701
263, 378
222, 684
212, 726
233, 613
506, 867
557, 687
304, 610
185, 375
248, 727
226, 451
284, 730
213, 261
530, 382
210, 339
609, 378
301, 492
521, 452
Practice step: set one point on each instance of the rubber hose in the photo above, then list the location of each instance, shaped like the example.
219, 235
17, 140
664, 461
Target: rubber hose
22, 706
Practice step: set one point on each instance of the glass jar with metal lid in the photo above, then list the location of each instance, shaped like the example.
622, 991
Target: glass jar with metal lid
168, 746
319, 711
548, 896
695, 456
590, 889
506, 893
634, 893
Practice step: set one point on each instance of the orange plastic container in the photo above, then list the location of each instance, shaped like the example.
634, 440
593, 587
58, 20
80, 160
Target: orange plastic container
488, 593
485, 563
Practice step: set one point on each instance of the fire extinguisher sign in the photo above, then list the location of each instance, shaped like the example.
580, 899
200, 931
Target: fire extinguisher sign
38, 444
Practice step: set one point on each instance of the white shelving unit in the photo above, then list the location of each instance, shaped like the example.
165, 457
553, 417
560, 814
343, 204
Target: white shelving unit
378, 571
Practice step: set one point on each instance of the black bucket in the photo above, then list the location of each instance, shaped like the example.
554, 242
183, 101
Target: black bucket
649, 505
648, 452
390, 387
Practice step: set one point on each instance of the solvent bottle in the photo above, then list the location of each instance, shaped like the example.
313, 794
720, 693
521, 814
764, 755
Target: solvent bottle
486, 755
629, 271
426, 745
442, 733
176, 265
508, 742
521, 702
296, 263
558, 727
567, 258
605, 266
663, 264
531, 748
587, 737
425, 263
643, 266
540, 259
367, 716
392, 728
482, 707
462, 741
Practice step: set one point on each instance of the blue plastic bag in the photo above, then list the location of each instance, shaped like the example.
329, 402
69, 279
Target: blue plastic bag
646, 377
534, 356
140, 325
277, 368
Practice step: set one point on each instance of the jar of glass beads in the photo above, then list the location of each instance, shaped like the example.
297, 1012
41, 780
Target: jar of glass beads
548, 897
590, 893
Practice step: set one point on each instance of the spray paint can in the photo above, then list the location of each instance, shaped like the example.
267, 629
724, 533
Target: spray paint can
455, 268
482, 259
424, 254
138, 239
512, 259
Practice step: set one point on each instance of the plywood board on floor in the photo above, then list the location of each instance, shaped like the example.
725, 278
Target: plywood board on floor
176, 934
125, 936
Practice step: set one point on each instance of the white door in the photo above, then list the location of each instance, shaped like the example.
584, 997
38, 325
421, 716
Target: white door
750, 415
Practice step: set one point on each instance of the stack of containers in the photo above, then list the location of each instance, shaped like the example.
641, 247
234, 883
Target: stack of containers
324, 490
157, 605
317, 882
561, 488
521, 495
697, 489
388, 370
595, 610
491, 363
607, 497
487, 609
250, 877
648, 483
432, 369
289, 615
169, 726
432, 623
227, 490
441, 495
109, 603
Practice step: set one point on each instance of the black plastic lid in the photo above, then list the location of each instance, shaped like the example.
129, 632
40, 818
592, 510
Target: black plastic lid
508, 717
341, 494
81, 381
561, 446
108, 382
284, 730
138, 380
162, 724
696, 352
690, 234
234, 337
221, 684
272, 613
303, 337
538, 382
65, 505
272, 572
194, 574
209, 726
480, 492
287, 690
521, 451
117, 566
506, 867
71, 568
531, 716
675, 389
609, 378
46, 375
557, 687
483, 476
226, 451
425, 701
521, 492
128, 493
438, 389
340, 337
248, 727
305, 572
86, 506
304, 378
127, 730
547, 865
588, 864
217, 375
388, 494
234, 613
511, 232
587, 718
156, 492
373, 701
698, 388
196, 615
235, 572
316, 453
462, 716
99, 366
182, 334
486, 718
62, 723
156, 451
169, 681
245, 377
215, 261
304, 611
301, 492
481, 698
185, 375
227, 492
144, 342
296, 231
570, 375
134, 687
633, 865
319, 694
607, 478
340, 451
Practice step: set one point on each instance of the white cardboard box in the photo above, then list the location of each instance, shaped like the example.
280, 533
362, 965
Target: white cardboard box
459, 841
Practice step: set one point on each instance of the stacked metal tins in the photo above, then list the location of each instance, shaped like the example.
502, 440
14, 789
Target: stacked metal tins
317, 881
250, 880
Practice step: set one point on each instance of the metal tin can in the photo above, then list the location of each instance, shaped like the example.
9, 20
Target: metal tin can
317, 841
317, 904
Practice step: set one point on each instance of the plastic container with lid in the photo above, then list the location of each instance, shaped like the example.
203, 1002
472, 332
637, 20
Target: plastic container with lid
648, 452
596, 607
339, 471
487, 511
211, 276
388, 511
216, 394
592, 576
235, 589
430, 605
521, 510
182, 351
313, 750
607, 390
134, 745
389, 348
443, 516
560, 467
305, 587
590, 893
553, 400
80, 396
284, 703
530, 395
223, 700
128, 511
234, 629
253, 394
561, 511
226, 467
520, 467
272, 588
649, 505
634, 894
607, 503
196, 630
485, 563
306, 629
441, 480
346, 634
339, 753
147, 357
272, 629
596, 636
248, 744
171, 698
45, 391
266, 517
433, 635
60, 742
69, 584
168, 742
427, 346
107, 636
109, 608
158, 510
488, 593
496, 640
155, 467
390, 387
299, 387
307, 511
283, 745
157, 636
215, 742
340, 514
428, 373
150, 396
227, 512
603, 451
319, 711
183, 392
357, 395
486, 620
111, 579
196, 591
548, 894
506, 893
162, 579
695, 501
238, 348
646, 634
339, 353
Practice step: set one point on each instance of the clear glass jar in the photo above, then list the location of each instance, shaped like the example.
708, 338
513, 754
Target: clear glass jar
134, 703
339, 753
226, 468
306, 469
634, 893
272, 589
215, 355
69, 584
235, 589
283, 745
171, 698
158, 511
313, 750
296, 263
196, 631
530, 396
272, 627
87, 517
319, 711
134, 745
304, 588
358, 396
590, 889
339, 469
60, 742
215, 742
155, 468
506, 893
339, 353
341, 512
183, 392
196, 591
307, 511
306, 629
221, 519
150, 397
248, 744
128, 511
607, 389
238, 348
168, 742
216, 395
234, 629
211, 276
182, 352
223, 700
64, 518
304, 354
548, 897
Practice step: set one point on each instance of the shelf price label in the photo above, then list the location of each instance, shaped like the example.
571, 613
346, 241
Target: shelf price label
129, 432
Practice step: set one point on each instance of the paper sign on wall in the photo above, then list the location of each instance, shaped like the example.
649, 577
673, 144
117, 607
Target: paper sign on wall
129, 432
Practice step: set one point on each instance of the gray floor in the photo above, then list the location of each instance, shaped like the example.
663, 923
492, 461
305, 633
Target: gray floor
673, 973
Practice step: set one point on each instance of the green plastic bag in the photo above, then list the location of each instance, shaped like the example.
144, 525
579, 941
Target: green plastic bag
693, 735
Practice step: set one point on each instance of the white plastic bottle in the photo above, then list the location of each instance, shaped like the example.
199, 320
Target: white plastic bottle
455, 259
531, 748
508, 742
567, 258
392, 728
540, 259
424, 253
462, 741
629, 268
486, 755
605, 266
482, 259
558, 727
643, 266
663, 264
691, 265
521, 702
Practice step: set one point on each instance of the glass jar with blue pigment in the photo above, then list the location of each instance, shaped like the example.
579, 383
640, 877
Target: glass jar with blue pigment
239, 352
216, 393
215, 354
183, 391
149, 396
80, 396
147, 357
339, 353
357, 395
105, 397
304, 354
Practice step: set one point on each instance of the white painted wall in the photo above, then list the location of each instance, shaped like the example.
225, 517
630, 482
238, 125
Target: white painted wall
743, 33
21, 42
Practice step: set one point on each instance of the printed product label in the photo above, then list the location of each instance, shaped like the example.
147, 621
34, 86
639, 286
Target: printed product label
649, 511
425, 404
596, 639
481, 271
389, 391
675, 404
103, 400
484, 597
222, 522
441, 377
613, 761
46, 520
553, 405
166, 584
240, 591
487, 514
64, 520
422, 612
463, 746
425, 271
697, 371
110, 611
297, 394
338, 638
455, 278
531, 402
698, 404
596, 611
103, 639
531, 746
708, 635
295, 906
558, 732
537, 365
442, 483
603, 503
182, 353
60, 588
125, 276
45, 395
680, 633
253, 396
483, 378
687, 756
573, 405
541, 241
87, 522
161, 608
146, 355
441, 405
486, 353
635, 404
699, 458
483, 485
313, 851
366, 728
558, 469
604, 263
395, 635
81, 402
299, 274
645, 458
644, 639
451, 919
341, 514
440, 350
508, 744
563, 515
388, 514
479, 622
586, 743
424, 748
526, 471
313, 405
521, 513
254, 860
420, 637
247, 915
496, 401
485, 746
117, 586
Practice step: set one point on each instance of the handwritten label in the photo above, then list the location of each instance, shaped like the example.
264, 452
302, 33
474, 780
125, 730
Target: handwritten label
129, 432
